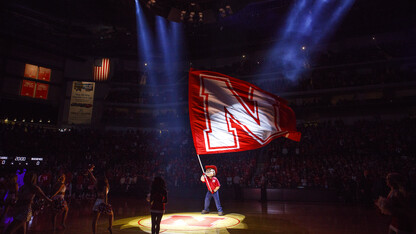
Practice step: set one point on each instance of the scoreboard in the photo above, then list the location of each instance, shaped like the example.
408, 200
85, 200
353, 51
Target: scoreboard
8, 161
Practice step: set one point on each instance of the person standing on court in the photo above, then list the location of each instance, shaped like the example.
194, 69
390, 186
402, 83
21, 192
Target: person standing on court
158, 197
213, 185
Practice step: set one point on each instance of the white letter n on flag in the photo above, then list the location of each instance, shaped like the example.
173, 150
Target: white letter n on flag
229, 115
222, 104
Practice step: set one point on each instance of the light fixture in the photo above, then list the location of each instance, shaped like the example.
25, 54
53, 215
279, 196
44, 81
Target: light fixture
201, 17
183, 13
150, 3
192, 13
228, 10
222, 12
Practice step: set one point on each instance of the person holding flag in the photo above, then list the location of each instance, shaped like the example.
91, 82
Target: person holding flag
231, 115
213, 185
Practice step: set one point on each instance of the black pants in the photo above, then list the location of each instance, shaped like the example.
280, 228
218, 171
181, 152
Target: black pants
156, 218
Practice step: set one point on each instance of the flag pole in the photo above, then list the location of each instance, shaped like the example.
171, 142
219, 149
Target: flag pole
199, 159
203, 172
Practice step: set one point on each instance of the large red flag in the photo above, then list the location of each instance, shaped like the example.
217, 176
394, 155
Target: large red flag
230, 115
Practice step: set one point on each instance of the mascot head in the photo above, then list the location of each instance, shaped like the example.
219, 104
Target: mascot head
210, 170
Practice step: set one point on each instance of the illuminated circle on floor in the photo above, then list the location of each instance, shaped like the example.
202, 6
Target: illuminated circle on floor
187, 222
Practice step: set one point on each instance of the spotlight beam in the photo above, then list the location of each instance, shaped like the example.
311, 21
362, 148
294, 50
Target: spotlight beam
144, 42
163, 39
308, 23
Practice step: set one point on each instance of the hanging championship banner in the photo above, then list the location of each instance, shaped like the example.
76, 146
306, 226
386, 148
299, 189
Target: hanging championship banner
82, 101
42, 90
28, 88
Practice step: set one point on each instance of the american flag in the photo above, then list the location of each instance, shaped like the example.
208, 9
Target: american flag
102, 69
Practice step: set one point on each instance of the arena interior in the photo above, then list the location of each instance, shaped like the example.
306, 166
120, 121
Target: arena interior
92, 88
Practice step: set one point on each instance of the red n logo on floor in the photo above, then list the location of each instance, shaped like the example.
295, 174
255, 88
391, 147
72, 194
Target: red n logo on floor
191, 221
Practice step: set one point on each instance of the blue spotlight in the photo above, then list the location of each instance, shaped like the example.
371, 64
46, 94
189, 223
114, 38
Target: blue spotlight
163, 39
308, 23
177, 33
178, 56
144, 42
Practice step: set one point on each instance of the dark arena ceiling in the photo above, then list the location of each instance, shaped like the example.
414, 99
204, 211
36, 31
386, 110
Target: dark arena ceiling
109, 26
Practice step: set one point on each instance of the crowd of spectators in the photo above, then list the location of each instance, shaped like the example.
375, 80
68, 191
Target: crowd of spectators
340, 76
330, 156
350, 159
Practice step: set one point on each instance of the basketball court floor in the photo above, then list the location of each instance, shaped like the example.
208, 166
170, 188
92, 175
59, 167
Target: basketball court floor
183, 216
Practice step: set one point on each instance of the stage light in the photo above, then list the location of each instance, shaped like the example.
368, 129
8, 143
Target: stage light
201, 16
191, 16
14, 120
40, 121
150, 3
6, 120
303, 47
222, 12
243, 56
374, 38
145, 64
183, 13
23, 120
31, 120
229, 10
49, 121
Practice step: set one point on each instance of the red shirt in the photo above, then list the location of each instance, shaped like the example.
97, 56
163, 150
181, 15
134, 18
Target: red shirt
213, 182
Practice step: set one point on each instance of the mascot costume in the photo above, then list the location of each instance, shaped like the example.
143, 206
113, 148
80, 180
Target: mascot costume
213, 185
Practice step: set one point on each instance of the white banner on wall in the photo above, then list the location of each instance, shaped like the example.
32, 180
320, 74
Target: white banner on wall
82, 101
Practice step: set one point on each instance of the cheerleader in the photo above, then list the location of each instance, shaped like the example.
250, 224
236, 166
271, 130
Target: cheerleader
11, 196
101, 205
23, 207
59, 203
396, 205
